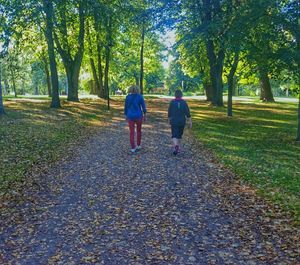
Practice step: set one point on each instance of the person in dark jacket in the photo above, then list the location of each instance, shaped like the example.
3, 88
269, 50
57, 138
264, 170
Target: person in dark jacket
135, 114
178, 114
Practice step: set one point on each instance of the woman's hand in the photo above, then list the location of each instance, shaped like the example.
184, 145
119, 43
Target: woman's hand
144, 118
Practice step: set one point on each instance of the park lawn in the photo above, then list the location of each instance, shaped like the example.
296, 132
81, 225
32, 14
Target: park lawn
32, 134
258, 144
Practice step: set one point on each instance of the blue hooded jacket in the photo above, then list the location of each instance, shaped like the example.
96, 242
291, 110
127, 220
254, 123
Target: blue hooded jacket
134, 106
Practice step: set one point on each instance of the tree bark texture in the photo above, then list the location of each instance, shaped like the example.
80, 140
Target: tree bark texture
95, 85
48, 80
216, 61
14, 83
231, 83
265, 86
2, 110
208, 91
72, 65
298, 130
48, 8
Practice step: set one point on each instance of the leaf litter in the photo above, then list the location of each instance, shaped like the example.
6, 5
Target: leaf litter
102, 205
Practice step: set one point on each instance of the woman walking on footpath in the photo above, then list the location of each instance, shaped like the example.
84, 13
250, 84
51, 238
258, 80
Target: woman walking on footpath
178, 113
135, 114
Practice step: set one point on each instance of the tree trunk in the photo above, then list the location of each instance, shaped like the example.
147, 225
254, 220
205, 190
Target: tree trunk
48, 78
72, 65
95, 86
234, 90
266, 91
2, 110
36, 89
215, 61
231, 83
97, 26
72, 71
230, 93
100, 73
48, 8
216, 71
107, 59
95, 89
142, 61
6, 86
208, 91
298, 131
106, 72
14, 82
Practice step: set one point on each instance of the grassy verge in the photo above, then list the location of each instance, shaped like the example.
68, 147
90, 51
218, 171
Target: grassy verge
258, 143
32, 133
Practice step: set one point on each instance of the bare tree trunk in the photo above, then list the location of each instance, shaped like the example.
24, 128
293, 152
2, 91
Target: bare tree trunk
6, 86
231, 83
48, 8
106, 72
208, 91
47, 74
14, 83
100, 72
142, 61
72, 71
95, 85
48, 80
36, 90
298, 131
2, 110
266, 91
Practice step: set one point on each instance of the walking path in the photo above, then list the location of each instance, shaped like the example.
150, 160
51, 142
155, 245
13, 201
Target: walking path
103, 205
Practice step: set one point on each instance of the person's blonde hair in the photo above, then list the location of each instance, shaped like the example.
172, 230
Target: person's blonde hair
133, 90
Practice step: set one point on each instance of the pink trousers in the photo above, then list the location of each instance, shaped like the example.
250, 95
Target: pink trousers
131, 124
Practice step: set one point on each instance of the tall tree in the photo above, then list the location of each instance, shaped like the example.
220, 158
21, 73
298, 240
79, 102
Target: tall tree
48, 9
70, 50
230, 79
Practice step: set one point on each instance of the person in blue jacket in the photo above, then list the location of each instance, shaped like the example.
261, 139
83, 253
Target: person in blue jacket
178, 113
135, 114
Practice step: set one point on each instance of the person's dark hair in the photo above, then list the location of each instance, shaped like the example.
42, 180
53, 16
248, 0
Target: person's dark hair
178, 93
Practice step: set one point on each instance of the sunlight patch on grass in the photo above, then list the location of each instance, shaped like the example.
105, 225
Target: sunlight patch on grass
258, 143
32, 133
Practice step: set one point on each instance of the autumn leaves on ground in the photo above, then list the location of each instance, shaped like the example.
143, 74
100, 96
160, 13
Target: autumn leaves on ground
71, 192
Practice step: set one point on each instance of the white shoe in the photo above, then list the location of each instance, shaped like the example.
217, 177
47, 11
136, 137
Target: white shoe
138, 147
132, 151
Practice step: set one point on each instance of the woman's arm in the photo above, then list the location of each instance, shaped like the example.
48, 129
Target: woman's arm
188, 115
143, 105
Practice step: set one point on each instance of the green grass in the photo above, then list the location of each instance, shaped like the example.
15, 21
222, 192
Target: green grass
258, 143
32, 133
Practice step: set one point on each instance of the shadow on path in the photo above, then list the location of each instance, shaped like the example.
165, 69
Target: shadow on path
107, 206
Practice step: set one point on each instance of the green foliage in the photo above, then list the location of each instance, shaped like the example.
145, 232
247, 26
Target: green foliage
177, 79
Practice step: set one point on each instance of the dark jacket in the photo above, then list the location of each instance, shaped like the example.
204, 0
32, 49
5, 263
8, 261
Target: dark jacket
134, 106
178, 112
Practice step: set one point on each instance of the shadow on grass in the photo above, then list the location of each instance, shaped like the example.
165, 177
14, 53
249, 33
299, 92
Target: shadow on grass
258, 143
33, 133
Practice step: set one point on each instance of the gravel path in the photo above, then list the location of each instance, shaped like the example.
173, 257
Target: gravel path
104, 205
